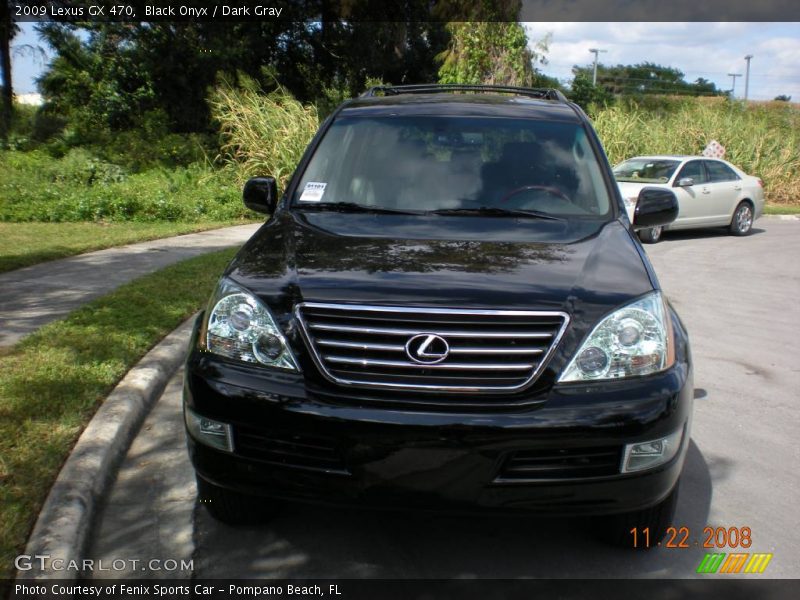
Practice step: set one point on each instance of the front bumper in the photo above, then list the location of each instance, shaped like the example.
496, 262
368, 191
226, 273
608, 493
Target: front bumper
295, 444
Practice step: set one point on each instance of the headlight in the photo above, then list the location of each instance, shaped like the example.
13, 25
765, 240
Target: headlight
632, 341
239, 326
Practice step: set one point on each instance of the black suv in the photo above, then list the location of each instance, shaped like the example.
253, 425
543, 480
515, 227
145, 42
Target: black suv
448, 309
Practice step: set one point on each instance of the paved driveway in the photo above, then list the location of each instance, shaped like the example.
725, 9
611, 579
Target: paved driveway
739, 300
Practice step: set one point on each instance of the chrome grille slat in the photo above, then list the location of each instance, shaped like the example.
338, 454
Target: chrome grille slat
410, 332
367, 362
401, 348
476, 350
485, 351
360, 346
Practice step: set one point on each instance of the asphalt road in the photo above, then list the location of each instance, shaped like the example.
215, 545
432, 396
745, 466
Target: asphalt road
738, 298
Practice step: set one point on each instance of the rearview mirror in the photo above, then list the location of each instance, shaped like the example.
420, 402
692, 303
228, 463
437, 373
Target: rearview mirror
655, 207
685, 182
260, 194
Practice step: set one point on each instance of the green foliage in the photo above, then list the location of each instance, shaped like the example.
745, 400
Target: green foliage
645, 78
97, 83
116, 73
488, 53
262, 133
588, 96
762, 139
82, 187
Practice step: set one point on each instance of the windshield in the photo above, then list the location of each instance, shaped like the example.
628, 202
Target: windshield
646, 170
455, 164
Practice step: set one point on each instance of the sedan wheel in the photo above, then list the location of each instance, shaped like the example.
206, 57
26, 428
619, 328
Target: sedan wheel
650, 235
742, 221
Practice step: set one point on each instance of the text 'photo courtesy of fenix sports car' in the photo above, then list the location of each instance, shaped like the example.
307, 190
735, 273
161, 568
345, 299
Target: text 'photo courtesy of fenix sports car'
448, 309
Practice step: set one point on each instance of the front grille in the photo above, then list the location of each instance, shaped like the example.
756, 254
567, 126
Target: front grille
310, 453
484, 350
559, 463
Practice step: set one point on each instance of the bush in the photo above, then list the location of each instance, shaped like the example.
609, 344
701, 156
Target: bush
262, 133
80, 187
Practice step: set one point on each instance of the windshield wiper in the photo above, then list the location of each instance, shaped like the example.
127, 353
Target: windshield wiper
493, 211
354, 207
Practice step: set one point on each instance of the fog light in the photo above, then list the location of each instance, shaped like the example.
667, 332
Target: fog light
647, 455
208, 431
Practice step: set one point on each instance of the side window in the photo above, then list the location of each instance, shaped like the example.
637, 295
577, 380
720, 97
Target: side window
695, 170
720, 171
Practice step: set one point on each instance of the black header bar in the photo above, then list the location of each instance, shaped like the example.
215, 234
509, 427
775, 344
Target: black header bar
67, 11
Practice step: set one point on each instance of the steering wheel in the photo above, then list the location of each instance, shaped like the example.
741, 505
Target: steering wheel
545, 188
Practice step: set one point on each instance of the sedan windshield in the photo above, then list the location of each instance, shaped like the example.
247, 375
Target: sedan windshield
646, 170
460, 166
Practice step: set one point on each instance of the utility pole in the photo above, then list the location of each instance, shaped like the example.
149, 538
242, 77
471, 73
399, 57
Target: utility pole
747, 76
595, 51
733, 86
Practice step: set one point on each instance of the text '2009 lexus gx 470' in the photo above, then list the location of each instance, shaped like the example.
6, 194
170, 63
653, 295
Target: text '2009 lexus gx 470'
448, 309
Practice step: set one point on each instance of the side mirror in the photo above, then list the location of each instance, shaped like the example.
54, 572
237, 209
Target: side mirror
655, 207
685, 182
261, 194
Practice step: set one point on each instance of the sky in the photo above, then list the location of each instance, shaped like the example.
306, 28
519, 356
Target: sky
708, 50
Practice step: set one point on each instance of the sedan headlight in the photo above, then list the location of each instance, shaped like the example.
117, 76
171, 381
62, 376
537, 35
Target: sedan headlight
239, 326
632, 341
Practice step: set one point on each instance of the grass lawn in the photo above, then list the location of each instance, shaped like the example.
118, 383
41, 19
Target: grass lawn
24, 244
782, 209
52, 382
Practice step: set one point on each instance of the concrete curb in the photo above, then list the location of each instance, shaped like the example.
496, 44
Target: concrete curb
64, 523
783, 217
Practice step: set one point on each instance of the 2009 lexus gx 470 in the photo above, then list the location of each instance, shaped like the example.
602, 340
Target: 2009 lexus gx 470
448, 309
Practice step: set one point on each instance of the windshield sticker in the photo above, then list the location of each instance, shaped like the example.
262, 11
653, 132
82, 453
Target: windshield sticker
313, 192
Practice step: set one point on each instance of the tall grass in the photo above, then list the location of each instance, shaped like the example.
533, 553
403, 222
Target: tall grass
262, 133
761, 139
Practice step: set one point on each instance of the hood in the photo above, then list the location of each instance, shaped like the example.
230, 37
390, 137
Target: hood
447, 261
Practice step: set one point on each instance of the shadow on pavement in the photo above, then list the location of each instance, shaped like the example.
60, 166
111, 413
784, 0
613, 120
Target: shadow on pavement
700, 234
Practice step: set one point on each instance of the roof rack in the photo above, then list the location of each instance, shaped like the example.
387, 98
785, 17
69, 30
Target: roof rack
432, 88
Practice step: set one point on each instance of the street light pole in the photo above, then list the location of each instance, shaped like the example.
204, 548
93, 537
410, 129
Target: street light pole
747, 76
733, 86
595, 51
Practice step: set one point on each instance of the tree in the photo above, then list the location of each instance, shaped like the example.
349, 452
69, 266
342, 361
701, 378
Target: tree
645, 78
122, 71
585, 94
489, 53
783, 98
8, 29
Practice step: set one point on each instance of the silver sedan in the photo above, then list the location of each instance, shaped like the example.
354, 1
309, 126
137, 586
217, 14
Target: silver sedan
711, 192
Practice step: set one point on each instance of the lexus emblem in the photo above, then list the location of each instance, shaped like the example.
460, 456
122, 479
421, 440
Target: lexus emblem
427, 348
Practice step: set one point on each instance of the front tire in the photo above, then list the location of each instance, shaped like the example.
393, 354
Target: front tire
234, 508
742, 221
651, 235
617, 530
